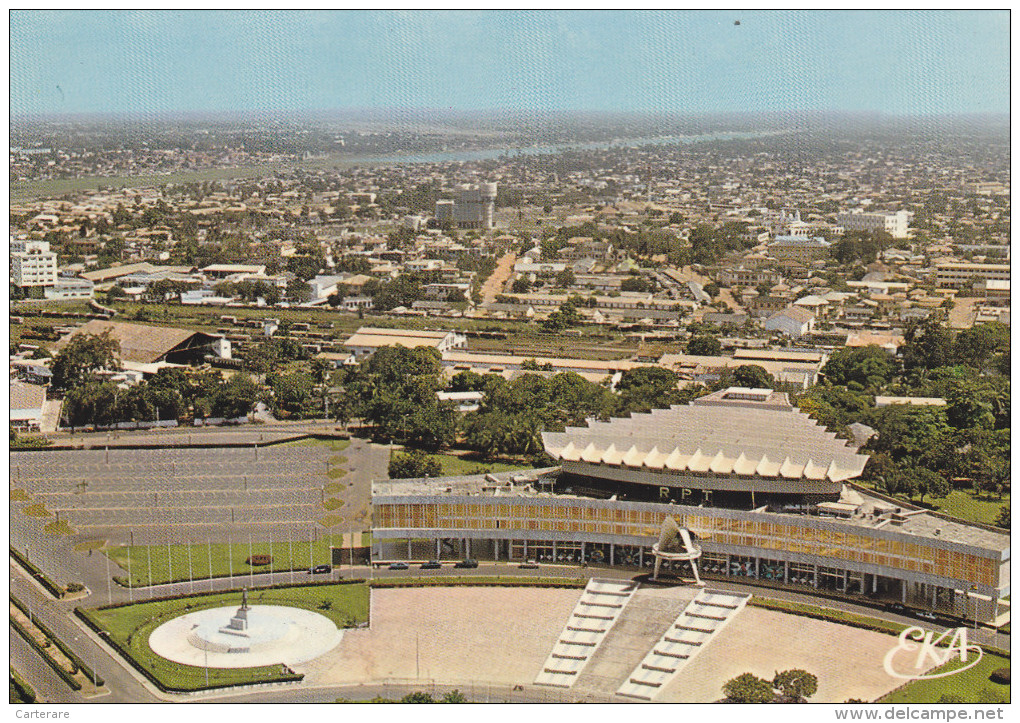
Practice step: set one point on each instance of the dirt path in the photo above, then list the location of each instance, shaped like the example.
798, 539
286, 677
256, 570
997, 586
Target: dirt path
961, 316
494, 284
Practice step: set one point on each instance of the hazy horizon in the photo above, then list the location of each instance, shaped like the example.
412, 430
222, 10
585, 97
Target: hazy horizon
894, 63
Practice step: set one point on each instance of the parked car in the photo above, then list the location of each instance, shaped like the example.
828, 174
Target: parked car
896, 608
926, 615
467, 564
319, 569
529, 565
431, 565
398, 566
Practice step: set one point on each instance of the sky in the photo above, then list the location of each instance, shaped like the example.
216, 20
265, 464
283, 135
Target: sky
908, 62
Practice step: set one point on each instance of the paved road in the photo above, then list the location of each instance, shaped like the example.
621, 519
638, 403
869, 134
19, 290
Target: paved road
48, 686
493, 285
58, 616
242, 434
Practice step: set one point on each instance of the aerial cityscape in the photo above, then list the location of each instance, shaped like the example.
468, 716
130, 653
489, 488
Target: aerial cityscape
510, 357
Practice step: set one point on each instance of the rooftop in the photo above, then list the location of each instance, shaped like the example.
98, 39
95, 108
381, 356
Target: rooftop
27, 396
138, 342
768, 437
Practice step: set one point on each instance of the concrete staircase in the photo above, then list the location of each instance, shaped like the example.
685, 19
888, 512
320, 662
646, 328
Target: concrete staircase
698, 624
600, 606
649, 614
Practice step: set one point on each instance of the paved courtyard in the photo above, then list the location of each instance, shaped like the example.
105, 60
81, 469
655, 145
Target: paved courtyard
503, 636
456, 635
847, 661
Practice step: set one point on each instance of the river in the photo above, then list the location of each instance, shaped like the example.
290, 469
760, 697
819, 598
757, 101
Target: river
487, 154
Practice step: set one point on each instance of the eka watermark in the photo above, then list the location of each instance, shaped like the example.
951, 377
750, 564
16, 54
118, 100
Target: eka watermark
928, 650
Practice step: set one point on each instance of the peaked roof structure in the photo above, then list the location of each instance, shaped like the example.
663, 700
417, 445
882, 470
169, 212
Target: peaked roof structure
140, 343
736, 432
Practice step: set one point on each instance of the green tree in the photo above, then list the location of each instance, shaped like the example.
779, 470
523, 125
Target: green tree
305, 267
354, 264
835, 407
748, 688
704, 345
395, 391
753, 376
454, 696
566, 278
861, 368
647, 387
909, 434
977, 346
91, 403
795, 685
414, 464
927, 344
293, 393
235, 398
417, 697
932, 483
563, 318
84, 355
1003, 518
521, 286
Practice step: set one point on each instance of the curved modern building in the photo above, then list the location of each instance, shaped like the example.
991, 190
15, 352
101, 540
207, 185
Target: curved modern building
762, 490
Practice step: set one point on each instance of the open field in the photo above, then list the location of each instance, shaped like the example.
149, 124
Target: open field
970, 686
963, 504
22, 191
456, 465
196, 561
131, 625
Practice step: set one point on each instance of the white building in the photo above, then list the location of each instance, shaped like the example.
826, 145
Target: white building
794, 321
32, 263
472, 206
366, 340
67, 287
968, 276
27, 402
895, 224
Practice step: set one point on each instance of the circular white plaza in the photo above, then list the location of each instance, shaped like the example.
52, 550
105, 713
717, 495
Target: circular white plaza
270, 634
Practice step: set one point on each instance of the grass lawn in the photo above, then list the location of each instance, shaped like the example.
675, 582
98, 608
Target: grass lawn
334, 445
131, 626
963, 504
455, 466
59, 528
19, 495
225, 558
970, 686
836, 616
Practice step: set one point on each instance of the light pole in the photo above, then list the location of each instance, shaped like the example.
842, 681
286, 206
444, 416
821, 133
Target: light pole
131, 583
